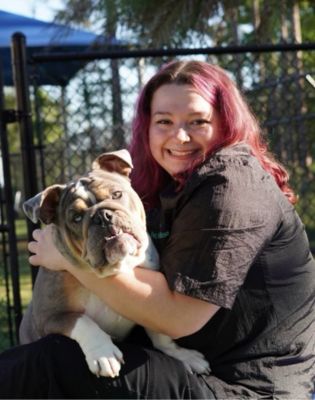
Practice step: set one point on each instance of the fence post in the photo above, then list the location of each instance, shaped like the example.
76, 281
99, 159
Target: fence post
21, 83
10, 216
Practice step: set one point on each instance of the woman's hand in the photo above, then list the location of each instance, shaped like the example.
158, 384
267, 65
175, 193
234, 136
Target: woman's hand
45, 253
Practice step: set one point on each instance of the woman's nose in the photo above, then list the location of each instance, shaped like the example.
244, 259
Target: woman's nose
182, 135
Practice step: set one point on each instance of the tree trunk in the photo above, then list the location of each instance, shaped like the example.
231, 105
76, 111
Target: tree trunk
256, 25
300, 105
118, 138
232, 18
285, 142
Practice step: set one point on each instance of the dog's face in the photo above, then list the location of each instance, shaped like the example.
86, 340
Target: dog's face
100, 219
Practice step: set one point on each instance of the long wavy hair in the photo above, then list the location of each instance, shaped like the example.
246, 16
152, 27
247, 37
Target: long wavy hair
238, 124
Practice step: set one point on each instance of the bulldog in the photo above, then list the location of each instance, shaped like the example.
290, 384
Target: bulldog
99, 225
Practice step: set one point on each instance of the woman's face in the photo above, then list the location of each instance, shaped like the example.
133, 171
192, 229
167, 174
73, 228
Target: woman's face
183, 126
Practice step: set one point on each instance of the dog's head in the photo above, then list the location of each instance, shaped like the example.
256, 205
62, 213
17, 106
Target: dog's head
99, 218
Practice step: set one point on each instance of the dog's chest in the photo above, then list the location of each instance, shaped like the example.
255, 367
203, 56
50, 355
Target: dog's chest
107, 319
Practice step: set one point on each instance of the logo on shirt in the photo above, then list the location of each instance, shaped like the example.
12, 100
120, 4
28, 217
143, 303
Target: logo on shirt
159, 235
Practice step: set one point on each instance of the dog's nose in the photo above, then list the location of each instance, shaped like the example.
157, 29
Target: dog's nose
103, 217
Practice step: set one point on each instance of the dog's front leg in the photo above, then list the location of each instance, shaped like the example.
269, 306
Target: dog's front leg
102, 356
193, 360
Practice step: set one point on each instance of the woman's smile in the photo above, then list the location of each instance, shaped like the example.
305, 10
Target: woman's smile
183, 154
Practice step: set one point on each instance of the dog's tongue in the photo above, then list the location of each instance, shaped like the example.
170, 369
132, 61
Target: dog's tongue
119, 246
127, 240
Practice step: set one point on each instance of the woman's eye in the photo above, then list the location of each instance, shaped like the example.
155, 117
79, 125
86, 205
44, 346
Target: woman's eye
77, 218
199, 122
117, 195
164, 122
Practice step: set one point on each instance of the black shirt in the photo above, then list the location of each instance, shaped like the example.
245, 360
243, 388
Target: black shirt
231, 237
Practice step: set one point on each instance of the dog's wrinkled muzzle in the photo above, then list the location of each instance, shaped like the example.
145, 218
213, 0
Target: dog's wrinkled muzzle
110, 235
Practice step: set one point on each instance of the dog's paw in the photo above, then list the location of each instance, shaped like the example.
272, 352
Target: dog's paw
105, 360
193, 360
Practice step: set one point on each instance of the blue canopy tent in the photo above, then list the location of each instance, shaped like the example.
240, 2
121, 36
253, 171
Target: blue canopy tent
47, 37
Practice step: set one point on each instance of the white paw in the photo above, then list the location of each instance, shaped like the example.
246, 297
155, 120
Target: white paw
102, 356
193, 360
105, 360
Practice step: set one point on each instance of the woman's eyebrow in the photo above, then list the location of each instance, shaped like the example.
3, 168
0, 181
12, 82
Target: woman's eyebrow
162, 112
191, 114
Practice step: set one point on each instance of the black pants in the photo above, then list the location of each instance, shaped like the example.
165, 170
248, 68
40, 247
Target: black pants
55, 367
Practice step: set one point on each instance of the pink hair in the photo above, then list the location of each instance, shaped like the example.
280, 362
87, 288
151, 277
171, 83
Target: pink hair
238, 124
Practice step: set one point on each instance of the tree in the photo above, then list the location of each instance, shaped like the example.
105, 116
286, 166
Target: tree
103, 14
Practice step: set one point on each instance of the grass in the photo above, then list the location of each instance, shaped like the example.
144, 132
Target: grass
25, 286
25, 292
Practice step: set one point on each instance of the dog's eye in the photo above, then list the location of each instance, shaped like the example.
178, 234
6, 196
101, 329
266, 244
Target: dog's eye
77, 218
117, 194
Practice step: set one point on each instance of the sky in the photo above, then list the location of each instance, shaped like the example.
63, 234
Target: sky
39, 9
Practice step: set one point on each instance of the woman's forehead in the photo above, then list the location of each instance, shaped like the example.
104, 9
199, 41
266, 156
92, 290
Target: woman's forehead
170, 98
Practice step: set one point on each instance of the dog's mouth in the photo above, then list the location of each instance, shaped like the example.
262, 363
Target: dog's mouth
110, 243
119, 244
127, 241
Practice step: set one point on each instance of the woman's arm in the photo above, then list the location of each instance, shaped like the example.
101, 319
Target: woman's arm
141, 295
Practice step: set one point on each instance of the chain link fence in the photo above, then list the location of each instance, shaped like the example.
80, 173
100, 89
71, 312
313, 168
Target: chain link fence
92, 113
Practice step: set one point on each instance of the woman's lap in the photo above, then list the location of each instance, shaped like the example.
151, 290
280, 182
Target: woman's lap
54, 367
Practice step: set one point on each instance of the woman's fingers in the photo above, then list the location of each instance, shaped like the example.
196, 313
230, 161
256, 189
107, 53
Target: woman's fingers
32, 247
38, 246
34, 260
36, 233
44, 251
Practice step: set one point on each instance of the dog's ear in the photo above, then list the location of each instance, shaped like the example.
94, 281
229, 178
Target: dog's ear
115, 161
43, 206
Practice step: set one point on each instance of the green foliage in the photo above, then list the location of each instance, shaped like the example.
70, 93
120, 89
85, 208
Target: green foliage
169, 23
97, 15
49, 110
46, 117
4, 326
26, 291
12, 129
307, 12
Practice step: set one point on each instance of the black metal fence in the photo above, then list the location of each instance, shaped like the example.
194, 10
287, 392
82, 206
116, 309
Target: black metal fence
63, 125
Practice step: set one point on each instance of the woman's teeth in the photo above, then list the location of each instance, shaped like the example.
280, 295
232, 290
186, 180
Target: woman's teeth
181, 153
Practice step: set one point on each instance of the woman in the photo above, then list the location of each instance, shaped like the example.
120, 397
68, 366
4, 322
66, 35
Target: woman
237, 277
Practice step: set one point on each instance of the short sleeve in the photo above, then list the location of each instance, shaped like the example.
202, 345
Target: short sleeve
218, 232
